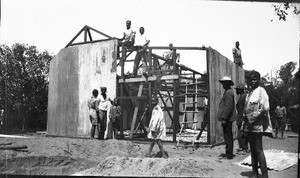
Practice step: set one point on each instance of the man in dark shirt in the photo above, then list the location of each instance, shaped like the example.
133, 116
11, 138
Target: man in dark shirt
241, 118
227, 114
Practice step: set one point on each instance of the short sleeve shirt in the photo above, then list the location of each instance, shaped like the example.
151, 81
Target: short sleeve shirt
140, 40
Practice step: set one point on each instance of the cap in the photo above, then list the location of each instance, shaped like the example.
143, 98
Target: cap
240, 86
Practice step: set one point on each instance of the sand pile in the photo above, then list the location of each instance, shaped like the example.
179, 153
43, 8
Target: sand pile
63, 156
120, 166
69, 156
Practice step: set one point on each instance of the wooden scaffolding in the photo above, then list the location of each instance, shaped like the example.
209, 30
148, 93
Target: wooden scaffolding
166, 80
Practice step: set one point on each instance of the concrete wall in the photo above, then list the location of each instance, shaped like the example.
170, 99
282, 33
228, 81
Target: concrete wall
217, 67
74, 73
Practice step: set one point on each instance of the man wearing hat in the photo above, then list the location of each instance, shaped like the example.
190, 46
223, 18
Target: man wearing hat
128, 35
241, 118
227, 114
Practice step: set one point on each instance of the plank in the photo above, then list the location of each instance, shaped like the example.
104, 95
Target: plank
152, 78
13, 147
135, 112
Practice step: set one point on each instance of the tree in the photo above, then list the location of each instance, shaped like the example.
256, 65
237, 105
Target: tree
281, 10
24, 85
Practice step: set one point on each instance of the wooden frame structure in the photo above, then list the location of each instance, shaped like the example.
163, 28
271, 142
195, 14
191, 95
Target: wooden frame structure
86, 30
168, 79
164, 75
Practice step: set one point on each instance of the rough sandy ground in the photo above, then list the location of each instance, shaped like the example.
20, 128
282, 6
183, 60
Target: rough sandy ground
66, 156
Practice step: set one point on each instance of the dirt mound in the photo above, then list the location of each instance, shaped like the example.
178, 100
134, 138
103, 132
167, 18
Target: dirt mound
92, 157
43, 165
62, 156
119, 148
120, 166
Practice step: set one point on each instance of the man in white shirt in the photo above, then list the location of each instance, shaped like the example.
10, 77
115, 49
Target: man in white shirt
140, 41
128, 35
104, 104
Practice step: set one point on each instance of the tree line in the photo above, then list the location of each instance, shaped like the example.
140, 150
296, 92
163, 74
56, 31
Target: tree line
24, 87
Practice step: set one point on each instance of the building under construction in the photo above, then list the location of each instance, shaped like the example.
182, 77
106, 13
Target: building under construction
184, 94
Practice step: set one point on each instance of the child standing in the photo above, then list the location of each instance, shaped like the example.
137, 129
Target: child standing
157, 128
114, 116
93, 105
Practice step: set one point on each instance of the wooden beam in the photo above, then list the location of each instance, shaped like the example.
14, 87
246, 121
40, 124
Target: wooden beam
141, 121
85, 34
132, 97
74, 38
166, 107
99, 32
13, 147
152, 78
135, 112
89, 33
176, 48
87, 42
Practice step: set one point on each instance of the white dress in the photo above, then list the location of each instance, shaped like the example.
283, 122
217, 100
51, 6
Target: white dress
157, 124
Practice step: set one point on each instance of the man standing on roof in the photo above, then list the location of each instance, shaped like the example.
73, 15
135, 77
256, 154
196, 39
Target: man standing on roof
227, 114
140, 41
237, 55
128, 35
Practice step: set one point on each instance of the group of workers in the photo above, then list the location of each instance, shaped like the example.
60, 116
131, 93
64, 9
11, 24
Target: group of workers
98, 108
136, 42
252, 119
98, 114
251, 113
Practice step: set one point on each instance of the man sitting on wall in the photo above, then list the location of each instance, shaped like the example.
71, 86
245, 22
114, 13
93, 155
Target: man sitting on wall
128, 36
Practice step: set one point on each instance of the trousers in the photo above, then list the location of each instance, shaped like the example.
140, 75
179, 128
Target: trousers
257, 154
228, 137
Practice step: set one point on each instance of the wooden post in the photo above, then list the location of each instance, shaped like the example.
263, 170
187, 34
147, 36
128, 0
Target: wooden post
150, 103
122, 90
150, 70
175, 99
155, 65
85, 33
194, 95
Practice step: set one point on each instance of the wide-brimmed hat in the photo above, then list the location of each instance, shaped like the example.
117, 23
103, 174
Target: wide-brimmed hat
240, 86
226, 79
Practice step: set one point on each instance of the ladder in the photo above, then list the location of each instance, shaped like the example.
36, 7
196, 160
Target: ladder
195, 121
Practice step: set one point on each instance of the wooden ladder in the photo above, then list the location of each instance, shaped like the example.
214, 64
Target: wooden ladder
185, 111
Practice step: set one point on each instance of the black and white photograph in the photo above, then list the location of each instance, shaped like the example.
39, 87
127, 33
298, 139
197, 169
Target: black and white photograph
149, 88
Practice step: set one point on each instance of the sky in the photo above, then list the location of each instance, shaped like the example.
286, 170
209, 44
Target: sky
265, 45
